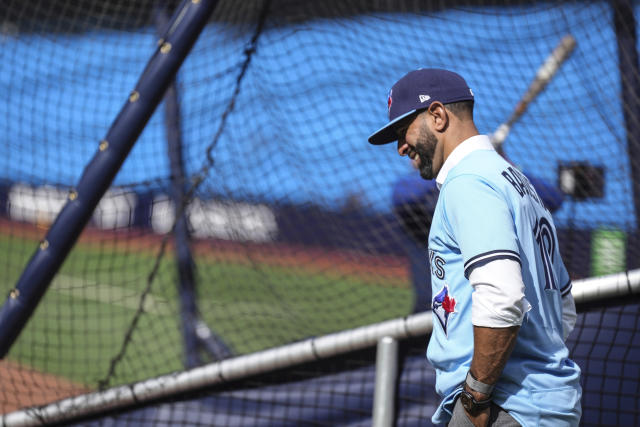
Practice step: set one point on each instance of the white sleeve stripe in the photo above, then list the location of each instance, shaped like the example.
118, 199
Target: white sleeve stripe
489, 256
566, 290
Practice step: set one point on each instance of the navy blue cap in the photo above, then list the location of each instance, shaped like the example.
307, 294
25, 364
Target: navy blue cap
416, 91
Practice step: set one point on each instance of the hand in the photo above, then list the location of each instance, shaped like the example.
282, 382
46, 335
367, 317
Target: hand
481, 419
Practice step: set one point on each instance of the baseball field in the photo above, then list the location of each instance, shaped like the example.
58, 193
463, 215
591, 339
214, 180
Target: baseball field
251, 297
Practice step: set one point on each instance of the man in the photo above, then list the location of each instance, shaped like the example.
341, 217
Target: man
502, 303
414, 200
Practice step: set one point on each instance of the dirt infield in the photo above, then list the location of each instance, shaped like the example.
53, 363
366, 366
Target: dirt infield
22, 387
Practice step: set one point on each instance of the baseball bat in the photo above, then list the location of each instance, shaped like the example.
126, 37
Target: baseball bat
544, 75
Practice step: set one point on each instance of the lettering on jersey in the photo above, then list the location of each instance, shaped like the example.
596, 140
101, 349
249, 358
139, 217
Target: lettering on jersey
437, 264
443, 306
521, 184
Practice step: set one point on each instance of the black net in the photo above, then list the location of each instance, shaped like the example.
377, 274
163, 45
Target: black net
297, 226
339, 391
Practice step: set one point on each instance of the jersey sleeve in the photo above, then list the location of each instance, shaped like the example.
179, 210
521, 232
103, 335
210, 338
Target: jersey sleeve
569, 315
564, 281
480, 221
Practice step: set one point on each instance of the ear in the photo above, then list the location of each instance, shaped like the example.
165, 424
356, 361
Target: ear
438, 116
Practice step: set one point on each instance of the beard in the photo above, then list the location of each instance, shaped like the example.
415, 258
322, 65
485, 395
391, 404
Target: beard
425, 149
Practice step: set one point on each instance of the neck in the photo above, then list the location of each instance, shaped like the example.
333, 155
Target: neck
457, 136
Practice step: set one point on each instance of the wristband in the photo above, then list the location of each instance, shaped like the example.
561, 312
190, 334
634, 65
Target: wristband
478, 386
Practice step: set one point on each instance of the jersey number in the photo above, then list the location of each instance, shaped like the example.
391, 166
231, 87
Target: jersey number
547, 244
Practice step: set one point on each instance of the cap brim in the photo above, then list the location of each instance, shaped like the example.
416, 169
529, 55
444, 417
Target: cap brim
387, 133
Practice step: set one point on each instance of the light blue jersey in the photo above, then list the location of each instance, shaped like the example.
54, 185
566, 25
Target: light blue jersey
488, 210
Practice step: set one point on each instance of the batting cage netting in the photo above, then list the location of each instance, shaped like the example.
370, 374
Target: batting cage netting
237, 267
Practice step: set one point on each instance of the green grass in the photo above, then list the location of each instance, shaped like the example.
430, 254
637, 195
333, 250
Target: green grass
81, 323
294, 306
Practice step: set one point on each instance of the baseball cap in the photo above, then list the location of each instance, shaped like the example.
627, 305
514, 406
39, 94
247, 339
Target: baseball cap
416, 91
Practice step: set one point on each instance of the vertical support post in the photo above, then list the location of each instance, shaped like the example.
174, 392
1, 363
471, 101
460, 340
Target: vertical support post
195, 332
627, 40
386, 374
184, 29
182, 237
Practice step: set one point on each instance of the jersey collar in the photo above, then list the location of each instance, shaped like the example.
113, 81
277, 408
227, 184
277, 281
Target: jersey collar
466, 147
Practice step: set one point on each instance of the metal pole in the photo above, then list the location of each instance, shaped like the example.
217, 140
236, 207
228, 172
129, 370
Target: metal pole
182, 237
386, 375
183, 30
195, 332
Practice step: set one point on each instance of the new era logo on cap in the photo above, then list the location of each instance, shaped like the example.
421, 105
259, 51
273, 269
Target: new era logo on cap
415, 92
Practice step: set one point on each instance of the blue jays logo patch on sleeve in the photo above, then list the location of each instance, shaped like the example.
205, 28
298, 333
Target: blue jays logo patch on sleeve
443, 306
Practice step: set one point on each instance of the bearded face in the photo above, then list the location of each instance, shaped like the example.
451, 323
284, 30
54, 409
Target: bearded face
425, 148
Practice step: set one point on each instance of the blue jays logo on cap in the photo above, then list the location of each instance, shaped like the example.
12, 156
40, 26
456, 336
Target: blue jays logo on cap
443, 306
